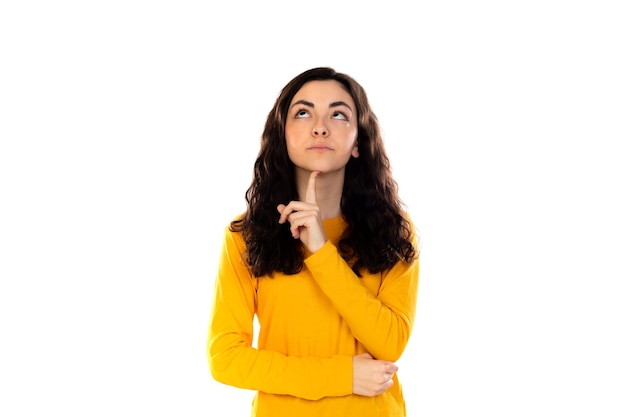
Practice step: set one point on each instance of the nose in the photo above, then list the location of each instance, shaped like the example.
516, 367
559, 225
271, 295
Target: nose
320, 130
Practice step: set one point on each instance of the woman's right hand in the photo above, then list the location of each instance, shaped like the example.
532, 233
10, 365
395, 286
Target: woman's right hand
370, 376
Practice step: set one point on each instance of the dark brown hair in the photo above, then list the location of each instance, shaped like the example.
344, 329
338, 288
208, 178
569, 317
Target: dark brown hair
378, 234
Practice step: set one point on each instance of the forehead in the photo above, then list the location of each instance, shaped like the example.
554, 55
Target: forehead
324, 91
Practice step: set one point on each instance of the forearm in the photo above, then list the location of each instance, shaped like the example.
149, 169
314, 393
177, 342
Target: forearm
381, 322
233, 362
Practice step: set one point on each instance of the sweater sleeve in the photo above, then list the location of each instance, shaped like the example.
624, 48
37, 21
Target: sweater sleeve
381, 322
234, 361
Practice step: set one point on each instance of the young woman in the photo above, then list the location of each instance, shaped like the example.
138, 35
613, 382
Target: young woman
325, 256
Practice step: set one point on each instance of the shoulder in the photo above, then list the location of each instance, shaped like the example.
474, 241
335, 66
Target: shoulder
236, 223
232, 231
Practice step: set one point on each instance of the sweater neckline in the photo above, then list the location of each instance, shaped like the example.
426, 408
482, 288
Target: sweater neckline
334, 221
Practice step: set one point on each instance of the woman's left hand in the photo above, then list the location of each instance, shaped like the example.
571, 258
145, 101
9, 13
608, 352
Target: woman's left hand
305, 218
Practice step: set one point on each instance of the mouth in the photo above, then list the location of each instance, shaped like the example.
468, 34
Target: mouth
320, 148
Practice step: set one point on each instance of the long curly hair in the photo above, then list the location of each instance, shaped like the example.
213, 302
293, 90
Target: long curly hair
378, 232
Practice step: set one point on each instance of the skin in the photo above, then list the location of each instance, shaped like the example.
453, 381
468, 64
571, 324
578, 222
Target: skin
321, 137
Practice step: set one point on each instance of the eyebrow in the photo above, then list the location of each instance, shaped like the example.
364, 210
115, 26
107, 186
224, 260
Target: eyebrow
331, 105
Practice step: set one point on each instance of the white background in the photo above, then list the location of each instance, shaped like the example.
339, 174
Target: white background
128, 131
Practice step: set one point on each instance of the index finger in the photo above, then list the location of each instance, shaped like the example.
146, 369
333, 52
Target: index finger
310, 196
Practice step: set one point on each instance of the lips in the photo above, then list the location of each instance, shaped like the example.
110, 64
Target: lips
320, 148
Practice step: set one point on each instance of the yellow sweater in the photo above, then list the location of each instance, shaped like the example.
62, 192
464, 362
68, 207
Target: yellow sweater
311, 325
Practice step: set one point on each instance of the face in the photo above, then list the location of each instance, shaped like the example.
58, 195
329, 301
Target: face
321, 127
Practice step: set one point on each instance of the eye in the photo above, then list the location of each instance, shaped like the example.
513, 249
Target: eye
301, 113
339, 115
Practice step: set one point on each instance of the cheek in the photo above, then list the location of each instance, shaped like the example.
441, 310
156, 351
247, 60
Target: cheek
289, 140
290, 144
294, 135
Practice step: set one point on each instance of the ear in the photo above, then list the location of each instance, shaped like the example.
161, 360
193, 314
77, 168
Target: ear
355, 150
